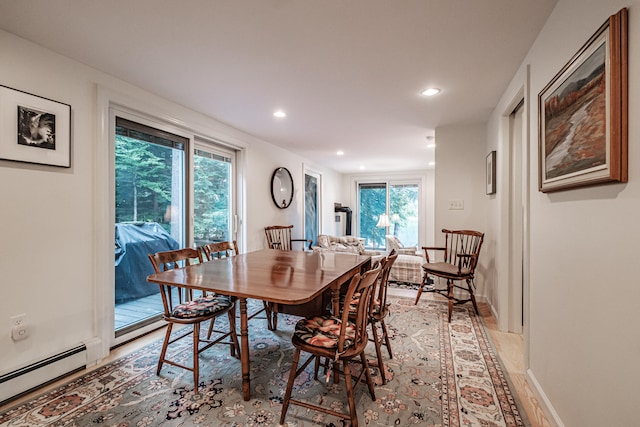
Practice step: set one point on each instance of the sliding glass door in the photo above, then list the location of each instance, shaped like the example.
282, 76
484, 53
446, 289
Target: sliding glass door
150, 169
162, 180
388, 207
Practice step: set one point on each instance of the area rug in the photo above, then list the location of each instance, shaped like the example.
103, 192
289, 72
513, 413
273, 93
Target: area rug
404, 285
441, 375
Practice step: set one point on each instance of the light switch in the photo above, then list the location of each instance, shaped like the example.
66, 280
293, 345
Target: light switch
456, 204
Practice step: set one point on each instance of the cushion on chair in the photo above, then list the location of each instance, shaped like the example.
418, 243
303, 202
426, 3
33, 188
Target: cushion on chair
201, 306
323, 331
446, 268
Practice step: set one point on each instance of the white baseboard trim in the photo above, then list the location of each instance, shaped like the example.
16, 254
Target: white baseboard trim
35, 375
545, 403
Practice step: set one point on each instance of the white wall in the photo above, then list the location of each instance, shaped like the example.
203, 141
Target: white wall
460, 175
57, 249
583, 335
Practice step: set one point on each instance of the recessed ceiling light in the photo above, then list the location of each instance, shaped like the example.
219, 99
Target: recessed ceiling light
340, 153
432, 163
430, 92
362, 168
430, 143
280, 114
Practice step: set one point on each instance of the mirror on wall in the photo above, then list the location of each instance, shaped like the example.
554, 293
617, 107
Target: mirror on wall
282, 188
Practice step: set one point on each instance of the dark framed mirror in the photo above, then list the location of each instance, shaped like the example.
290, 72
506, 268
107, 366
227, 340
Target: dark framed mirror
282, 188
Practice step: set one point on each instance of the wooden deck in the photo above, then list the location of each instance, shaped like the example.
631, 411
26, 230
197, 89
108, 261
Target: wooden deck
134, 311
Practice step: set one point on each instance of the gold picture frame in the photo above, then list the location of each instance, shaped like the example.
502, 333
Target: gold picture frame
583, 114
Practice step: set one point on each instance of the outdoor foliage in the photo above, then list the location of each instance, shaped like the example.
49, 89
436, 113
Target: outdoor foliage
403, 213
144, 182
211, 199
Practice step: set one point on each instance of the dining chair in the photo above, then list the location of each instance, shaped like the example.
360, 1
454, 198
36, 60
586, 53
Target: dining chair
338, 340
279, 237
460, 258
182, 308
219, 250
378, 311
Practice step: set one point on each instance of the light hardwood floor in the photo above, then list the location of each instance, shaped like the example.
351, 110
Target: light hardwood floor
508, 345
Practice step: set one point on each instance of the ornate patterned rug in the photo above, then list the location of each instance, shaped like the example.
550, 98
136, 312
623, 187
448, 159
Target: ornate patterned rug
441, 375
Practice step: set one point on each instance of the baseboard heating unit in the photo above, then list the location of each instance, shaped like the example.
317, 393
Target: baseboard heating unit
32, 377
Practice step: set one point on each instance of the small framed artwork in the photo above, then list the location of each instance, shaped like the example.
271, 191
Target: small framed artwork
491, 173
583, 114
34, 129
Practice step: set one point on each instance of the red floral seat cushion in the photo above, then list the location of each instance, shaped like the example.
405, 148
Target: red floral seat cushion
201, 306
323, 331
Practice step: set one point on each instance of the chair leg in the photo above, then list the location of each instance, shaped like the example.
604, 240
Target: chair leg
165, 344
292, 378
267, 312
274, 319
424, 280
196, 356
473, 297
316, 368
350, 397
235, 348
367, 375
386, 338
376, 341
212, 323
450, 287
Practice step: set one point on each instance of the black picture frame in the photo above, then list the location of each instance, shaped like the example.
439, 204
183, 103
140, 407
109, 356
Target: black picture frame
34, 129
491, 173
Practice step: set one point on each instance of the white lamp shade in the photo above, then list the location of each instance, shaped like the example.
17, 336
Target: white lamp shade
383, 221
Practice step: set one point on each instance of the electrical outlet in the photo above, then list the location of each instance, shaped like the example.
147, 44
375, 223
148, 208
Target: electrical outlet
18, 319
456, 204
19, 327
18, 333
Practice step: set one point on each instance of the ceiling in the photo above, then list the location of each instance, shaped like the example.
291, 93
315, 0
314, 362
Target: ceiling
348, 73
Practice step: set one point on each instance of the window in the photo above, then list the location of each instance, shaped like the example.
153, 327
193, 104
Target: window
372, 203
398, 202
212, 194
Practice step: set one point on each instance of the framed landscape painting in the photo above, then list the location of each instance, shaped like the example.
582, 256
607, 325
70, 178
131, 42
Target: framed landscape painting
34, 129
583, 114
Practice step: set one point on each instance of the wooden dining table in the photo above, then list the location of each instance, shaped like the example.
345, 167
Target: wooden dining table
286, 278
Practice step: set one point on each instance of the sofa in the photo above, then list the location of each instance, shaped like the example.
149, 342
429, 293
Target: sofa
408, 265
346, 244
